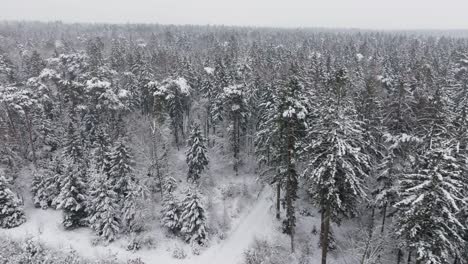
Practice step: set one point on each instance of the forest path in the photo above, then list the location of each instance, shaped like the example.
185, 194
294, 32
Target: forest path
257, 222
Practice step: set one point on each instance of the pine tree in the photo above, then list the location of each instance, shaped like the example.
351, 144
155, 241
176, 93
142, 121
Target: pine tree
430, 199
232, 106
104, 214
196, 155
175, 96
193, 218
11, 212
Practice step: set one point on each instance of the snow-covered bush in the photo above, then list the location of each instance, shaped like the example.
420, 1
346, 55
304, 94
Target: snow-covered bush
11, 212
135, 261
262, 252
179, 253
139, 241
31, 251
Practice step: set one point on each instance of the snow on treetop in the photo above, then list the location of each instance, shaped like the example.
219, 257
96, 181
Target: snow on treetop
48, 74
315, 54
180, 83
95, 83
123, 93
233, 89
359, 56
183, 85
209, 70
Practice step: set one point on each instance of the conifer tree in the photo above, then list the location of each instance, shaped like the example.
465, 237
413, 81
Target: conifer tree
193, 218
39, 188
131, 209
431, 197
72, 183
104, 214
72, 197
170, 213
232, 106
11, 212
338, 164
175, 96
170, 184
120, 172
196, 155
283, 126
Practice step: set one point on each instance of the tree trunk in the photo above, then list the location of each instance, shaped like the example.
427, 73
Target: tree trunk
326, 231
384, 217
176, 135
278, 200
207, 126
235, 138
292, 241
409, 257
370, 233
399, 255
31, 142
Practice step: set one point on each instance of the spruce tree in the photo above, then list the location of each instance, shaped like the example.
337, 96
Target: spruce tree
72, 197
39, 188
193, 218
131, 209
104, 214
170, 213
338, 164
431, 197
120, 171
282, 128
196, 155
11, 212
169, 185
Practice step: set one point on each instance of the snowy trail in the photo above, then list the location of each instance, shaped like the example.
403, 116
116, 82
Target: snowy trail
45, 225
256, 223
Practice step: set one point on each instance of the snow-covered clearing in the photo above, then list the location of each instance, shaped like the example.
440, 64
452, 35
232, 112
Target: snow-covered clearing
45, 225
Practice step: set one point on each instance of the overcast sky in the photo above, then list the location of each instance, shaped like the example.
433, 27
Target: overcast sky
370, 14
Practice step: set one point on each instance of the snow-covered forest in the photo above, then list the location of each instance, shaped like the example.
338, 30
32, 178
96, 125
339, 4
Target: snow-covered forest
145, 144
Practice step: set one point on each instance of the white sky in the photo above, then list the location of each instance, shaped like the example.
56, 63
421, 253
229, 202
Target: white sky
373, 14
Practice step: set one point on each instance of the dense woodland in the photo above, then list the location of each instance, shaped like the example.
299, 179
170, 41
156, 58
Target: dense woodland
363, 125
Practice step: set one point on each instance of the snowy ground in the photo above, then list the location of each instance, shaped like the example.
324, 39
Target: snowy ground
249, 216
45, 225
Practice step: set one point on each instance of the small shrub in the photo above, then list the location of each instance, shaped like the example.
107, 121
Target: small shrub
262, 252
135, 261
138, 242
179, 253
